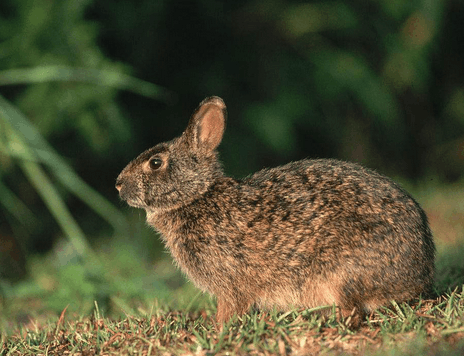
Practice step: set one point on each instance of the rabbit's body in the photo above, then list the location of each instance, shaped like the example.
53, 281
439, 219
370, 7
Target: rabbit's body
309, 233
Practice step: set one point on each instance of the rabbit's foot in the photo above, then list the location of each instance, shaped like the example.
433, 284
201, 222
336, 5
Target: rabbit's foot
352, 318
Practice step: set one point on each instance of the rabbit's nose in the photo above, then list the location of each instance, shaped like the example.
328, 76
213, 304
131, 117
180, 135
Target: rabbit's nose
118, 187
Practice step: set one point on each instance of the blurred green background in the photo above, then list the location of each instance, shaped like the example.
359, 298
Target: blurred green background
87, 85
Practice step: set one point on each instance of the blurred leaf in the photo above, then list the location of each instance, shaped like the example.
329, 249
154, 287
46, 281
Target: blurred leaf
15, 206
455, 105
344, 76
315, 17
353, 73
34, 148
86, 75
46, 190
26, 143
273, 127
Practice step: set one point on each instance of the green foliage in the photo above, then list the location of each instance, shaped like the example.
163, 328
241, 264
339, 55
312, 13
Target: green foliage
117, 279
49, 34
23, 141
67, 85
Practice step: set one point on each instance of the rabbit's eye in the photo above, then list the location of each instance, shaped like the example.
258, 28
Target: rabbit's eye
155, 163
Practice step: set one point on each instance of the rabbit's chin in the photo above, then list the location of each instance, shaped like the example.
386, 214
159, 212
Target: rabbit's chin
148, 204
134, 203
137, 205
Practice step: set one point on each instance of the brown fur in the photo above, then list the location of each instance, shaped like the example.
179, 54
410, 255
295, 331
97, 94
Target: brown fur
309, 233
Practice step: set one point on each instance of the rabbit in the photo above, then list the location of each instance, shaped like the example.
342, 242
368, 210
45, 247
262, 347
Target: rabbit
309, 233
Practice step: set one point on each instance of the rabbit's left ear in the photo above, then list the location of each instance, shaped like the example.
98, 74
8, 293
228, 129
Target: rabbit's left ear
207, 124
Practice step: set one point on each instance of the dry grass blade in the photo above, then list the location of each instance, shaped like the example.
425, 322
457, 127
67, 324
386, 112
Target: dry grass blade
60, 320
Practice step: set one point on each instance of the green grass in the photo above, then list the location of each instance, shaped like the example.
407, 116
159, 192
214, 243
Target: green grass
431, 327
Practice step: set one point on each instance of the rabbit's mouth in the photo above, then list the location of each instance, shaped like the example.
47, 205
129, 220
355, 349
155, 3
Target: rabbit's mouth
131, 199
135, 203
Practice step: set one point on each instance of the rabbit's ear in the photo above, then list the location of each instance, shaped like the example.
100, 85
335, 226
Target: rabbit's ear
206, 126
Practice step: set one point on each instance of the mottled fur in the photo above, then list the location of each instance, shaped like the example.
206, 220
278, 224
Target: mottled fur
309, 233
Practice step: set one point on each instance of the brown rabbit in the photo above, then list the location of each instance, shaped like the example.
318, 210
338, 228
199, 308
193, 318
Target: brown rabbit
306, 234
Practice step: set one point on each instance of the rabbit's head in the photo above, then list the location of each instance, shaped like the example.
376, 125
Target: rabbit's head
176, 172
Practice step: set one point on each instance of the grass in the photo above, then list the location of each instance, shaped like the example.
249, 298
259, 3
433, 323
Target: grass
431, 327
181, 323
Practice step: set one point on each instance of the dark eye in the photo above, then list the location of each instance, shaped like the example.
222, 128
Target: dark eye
155, 163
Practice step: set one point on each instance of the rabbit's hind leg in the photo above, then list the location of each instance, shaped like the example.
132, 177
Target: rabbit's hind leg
227, 308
